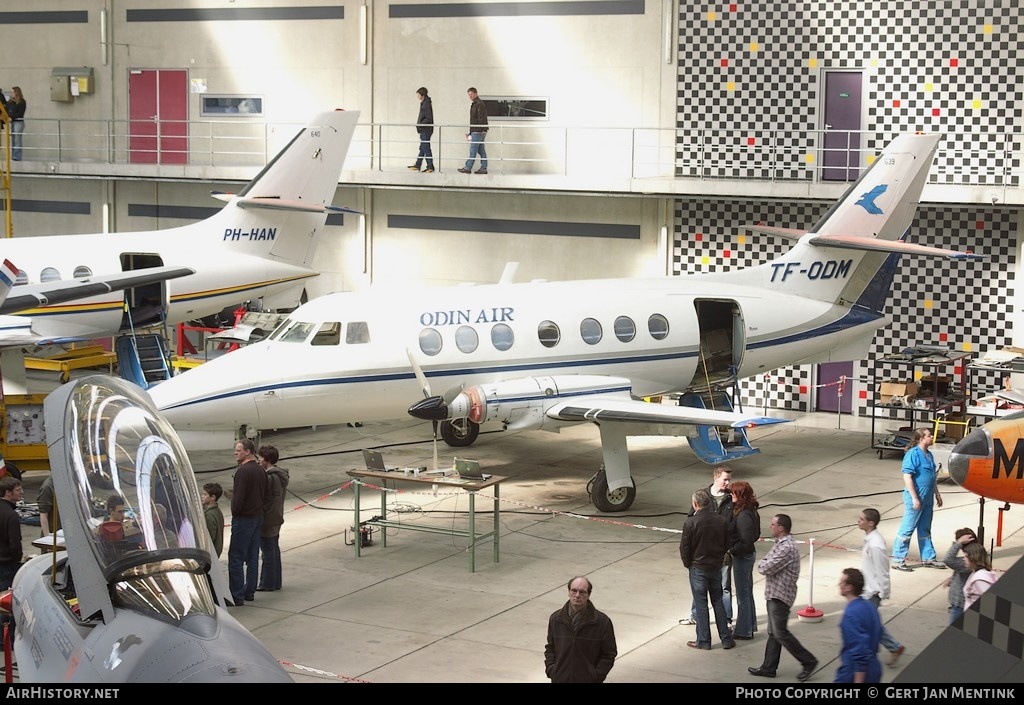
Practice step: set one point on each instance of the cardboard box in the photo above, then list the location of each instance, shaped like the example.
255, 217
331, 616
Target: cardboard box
904, 391
939, 386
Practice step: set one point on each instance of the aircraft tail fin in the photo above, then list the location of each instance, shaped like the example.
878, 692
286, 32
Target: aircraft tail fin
282, 212
851, 254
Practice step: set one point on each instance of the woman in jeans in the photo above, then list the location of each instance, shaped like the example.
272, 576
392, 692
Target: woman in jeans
744, 531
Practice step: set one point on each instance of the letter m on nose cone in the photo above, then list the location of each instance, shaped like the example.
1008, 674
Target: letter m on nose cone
1000, 461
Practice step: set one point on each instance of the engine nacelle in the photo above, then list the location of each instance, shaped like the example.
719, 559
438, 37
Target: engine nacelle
521, 404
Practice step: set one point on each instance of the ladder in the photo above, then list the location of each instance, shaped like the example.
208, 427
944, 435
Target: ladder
143, 358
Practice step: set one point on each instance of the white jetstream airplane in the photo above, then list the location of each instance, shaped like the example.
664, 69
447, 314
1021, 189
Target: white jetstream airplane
29, 296
543, 355
260, 245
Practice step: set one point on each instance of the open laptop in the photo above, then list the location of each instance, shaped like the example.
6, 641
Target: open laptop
469, 469
375, 461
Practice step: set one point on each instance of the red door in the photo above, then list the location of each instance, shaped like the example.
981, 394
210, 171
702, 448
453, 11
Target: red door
158, 116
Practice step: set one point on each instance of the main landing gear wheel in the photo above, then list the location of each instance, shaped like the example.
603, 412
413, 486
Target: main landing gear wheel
610, 500
459, 433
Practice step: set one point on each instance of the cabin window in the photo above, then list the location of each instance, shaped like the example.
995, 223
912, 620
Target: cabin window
657, 326
297, 333
49, 274
430, 341
22, 277
358, 333
466, 339
591, 331
329, 334
549, 334
82, 271
502, 337
625, 328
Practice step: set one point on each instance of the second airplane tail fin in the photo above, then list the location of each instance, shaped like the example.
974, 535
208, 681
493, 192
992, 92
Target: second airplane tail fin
281, 213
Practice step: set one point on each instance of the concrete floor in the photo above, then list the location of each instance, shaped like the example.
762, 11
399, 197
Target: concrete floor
412, 611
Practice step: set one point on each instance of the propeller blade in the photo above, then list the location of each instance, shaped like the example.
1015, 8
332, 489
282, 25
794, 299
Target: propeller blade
420, 377
435, 443
452, 392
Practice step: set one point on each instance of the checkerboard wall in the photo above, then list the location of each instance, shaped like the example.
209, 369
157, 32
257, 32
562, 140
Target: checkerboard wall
952, 67
965, 305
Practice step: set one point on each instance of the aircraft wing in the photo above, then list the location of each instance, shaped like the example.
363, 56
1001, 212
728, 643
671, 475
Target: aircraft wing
1010, 395
597, 409
31, 296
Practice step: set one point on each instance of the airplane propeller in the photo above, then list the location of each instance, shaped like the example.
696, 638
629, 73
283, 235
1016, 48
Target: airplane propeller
433, 408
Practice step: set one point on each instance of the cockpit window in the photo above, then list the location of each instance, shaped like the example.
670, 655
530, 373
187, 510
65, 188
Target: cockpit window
357, 333
329, 334
136, 500
297, 332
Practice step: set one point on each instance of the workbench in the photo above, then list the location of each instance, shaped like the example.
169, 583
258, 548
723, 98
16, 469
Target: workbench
448, 482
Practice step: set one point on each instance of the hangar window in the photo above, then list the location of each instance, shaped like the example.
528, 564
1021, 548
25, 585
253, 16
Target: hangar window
237, 105
297, 333
657, 326
466, 339
430, 341
82, 271
502, 336
49, 274
516, 108
625, 328
329, 334
591, 331
549, 334
357, 333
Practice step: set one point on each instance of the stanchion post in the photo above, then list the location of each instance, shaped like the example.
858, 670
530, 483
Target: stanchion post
810, 613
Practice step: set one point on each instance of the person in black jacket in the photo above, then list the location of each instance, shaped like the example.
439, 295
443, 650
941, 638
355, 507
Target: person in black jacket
11, 551
581, 639
702, 547
425, 129
744, 532
722, 498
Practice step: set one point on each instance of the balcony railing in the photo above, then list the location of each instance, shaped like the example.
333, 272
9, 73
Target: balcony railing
523, 150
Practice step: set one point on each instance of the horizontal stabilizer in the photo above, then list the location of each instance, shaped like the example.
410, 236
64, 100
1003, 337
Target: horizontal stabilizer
857, 242
277, 204
785, 233
30, 296
628, 411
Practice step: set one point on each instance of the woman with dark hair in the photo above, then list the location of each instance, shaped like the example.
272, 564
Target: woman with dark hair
920, 494
744, 531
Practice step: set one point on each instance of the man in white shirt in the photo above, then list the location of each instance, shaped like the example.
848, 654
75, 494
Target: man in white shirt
874, 564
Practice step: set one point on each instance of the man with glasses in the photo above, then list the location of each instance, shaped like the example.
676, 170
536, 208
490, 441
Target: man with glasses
581, 640
781, 569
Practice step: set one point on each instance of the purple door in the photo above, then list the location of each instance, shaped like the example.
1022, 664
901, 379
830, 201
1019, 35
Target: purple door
840, 157
830, 376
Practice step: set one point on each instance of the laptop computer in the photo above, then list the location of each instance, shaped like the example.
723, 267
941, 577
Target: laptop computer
469, 469
375, 461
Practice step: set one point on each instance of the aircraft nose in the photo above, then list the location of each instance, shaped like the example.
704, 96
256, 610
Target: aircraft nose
975, 444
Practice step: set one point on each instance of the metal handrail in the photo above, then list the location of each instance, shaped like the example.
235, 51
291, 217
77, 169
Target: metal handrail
519, 149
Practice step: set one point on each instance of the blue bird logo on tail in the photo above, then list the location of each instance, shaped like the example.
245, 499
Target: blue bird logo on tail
868, 199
